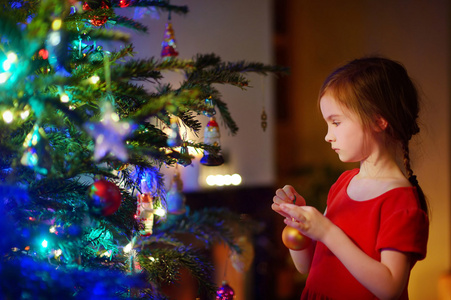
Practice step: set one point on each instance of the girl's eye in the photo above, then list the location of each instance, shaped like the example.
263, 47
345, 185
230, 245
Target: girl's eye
335, 123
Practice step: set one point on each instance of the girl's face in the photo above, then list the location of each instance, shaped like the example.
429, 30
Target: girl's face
344, 131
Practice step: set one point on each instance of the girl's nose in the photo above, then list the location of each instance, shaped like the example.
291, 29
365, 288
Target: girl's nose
329, 137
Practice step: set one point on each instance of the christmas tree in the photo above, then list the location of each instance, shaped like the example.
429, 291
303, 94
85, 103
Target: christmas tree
85, 210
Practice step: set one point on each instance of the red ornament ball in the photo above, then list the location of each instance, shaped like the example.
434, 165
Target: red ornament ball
225, 292
294, 240
106, 197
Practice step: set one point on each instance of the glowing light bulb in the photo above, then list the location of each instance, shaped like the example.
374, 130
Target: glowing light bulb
8, 116
56, 24
24, 114
221, 180
94, 79
115, 117
54, 38
211, 180
64, 98
236, 179
12, 57
128, 248
4, 77
6, 65
44, 243
160, 212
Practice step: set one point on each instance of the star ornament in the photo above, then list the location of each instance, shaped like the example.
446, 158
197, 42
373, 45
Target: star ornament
109, 135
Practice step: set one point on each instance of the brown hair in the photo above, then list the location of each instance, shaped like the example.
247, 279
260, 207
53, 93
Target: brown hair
374, 87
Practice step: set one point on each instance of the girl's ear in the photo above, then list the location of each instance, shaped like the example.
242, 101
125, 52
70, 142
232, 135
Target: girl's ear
381, 124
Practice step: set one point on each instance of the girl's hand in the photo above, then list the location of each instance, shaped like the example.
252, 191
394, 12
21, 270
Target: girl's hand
308, 220
287, 194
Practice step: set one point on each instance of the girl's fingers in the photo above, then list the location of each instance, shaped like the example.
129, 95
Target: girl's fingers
290, 192
280, 193
286, 194
293, 211
276, 208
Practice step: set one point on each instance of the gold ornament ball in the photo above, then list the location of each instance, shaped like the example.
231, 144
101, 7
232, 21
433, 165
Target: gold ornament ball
294, 240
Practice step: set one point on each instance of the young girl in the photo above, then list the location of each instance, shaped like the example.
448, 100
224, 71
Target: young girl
376, 225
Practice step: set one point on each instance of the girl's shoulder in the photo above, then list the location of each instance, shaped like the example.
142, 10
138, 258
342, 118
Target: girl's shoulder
347, 176
364, 189
343, 181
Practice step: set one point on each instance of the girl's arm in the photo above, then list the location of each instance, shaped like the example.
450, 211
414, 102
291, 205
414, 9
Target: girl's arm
303, 259
385, 279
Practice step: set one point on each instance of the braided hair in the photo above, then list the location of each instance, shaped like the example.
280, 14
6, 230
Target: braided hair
377, 86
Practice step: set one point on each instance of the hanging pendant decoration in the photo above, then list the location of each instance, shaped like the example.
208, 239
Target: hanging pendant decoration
124, 3
225, 292
56, 45
168, 46
97, 21
106, 197
175, 198
211, 137
109, 134
37, 148
210, 107
185, 158
294, 240
174, 138
144, 209
264, 119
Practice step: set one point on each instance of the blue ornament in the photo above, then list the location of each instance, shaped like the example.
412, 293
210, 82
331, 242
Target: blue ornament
185, 159
175, 198
210, 111
174, 138
36, 148
57, 44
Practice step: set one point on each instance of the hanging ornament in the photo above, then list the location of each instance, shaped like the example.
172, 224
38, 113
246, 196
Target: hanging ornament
294, 240
175, 199
211, 137
225, 292
57, 45
37, 148
174, 138
185, 158
144, 209
96, 21
210, 107
264, 118
168, 45
124, 3
109, 134
96, 56
106, 197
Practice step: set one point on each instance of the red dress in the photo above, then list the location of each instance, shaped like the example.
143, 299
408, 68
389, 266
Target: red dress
392, 220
